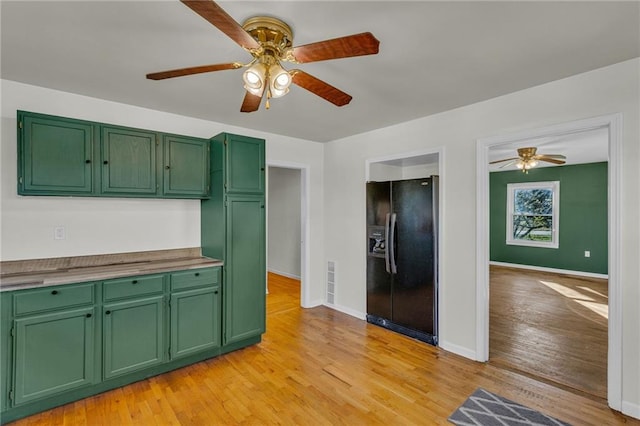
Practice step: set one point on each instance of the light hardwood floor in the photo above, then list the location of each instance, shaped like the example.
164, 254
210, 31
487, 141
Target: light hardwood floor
321, 367
551, 326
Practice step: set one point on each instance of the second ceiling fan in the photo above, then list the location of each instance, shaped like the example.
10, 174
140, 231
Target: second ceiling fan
270, 42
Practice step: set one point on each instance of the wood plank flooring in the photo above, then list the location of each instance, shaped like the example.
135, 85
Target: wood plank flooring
321, 367
551, 326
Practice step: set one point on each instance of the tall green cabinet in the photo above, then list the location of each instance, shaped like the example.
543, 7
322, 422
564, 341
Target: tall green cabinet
233, 229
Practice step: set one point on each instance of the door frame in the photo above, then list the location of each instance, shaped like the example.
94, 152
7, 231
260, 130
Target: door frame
305, 231
613, 123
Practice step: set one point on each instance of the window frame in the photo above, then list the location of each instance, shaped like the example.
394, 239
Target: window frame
554, 186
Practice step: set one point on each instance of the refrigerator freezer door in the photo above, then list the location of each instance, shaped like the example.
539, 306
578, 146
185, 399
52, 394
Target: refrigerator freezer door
378, 280
414, 284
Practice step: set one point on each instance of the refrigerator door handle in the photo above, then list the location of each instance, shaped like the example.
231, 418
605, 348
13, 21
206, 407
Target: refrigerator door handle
386, 242
391, 245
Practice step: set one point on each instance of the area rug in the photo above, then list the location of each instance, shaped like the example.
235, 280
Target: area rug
484, 408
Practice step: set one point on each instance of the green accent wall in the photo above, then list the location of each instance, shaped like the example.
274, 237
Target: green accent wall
583, 218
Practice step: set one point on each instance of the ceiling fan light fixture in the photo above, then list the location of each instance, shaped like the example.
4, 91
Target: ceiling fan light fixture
279, 81
254, 78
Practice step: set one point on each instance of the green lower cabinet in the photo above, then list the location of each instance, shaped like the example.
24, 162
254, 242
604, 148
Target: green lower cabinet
245, 280
133, 335
53, 353
195, 321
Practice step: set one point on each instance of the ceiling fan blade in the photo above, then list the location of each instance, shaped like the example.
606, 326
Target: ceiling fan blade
250, 103
550, 160
505, 159
342, 47
556, 156
192, 70
320, 88
215, 15
510, 163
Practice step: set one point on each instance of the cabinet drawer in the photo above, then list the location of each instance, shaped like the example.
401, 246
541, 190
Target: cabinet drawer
52, 298
195, 278
133, 286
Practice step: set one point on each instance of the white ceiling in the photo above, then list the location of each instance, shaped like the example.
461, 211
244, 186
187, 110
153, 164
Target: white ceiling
434, 56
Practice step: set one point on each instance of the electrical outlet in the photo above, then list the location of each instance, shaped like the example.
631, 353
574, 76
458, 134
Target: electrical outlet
59, 233
587, 253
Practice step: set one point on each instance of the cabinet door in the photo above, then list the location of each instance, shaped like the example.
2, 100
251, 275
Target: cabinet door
244, 164
56, 156
195, 321
186, 167
128, 161
244, 268
53, 353
133, 335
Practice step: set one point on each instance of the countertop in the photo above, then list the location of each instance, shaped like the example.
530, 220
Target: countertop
19, 280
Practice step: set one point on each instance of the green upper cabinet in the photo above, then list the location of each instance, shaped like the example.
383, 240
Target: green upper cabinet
244, 164
55, 155
64, 156
186, 167
128, 161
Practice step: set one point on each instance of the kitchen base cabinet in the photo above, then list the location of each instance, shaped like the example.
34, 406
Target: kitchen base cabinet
64, 343
194, 324
133, 335
53, 353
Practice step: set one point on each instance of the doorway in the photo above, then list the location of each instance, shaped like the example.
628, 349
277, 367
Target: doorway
612, 124
287, 225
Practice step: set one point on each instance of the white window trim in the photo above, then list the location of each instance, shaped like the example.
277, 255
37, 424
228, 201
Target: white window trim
554, 186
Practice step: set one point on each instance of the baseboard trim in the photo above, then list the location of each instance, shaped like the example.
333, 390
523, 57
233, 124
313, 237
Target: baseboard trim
630, 409
553, 270
348, 311
284, 274
458, 350
314, 304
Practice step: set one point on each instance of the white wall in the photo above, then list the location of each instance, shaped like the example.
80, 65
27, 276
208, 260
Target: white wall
600, 92
283, 251
98, 226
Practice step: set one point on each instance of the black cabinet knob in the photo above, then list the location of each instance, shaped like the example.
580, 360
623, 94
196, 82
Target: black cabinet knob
88, 161
105, 162
215, 292
107, 312
197, 274
88, 315
134, 282
167, 167
54, 292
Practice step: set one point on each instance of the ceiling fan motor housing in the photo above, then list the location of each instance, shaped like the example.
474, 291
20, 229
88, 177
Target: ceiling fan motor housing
274, 36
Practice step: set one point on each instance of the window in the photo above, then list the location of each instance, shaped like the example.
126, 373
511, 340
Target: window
532, 214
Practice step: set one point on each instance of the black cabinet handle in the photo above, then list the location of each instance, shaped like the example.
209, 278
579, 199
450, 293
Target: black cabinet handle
105, 162
107, 312
54, 292
88, 315
88, 161
134, 282
197, 274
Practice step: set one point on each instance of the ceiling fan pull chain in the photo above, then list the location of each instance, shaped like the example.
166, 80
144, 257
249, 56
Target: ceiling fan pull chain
266, 105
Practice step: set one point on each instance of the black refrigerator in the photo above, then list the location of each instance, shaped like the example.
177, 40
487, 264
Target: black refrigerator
402, 257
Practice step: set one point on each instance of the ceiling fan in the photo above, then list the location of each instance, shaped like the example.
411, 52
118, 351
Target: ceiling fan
270, 42
527, 159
